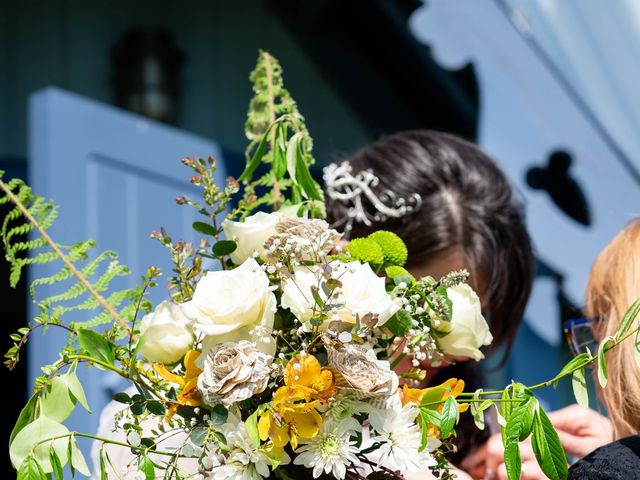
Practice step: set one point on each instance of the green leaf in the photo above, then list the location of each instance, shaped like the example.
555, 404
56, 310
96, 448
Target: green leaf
75, 389
637, 345
251, 424
96, 346
56, 465
578, 361
57, 403
427, 417
121, 397
257, 157
432, 398
449, 416
156, 407
219, 414
306, 181
520, 421
547, 448
477, 411
603, 375
292, 154
579, 385
505, 412
103, 465
146, 467
316, 296
628, 319
40, 430
223, 248
399, 323
279, 156
204, 228
512, 461
199, 435
31, 470
26, 417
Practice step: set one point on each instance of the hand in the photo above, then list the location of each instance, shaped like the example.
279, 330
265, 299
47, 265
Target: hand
488, 462
581, 430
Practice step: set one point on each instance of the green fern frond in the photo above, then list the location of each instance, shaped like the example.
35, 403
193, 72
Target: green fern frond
80, 280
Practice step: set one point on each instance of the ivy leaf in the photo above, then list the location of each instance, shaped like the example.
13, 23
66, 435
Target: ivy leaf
204, 228
628, 319
579, 385
603, 375
520, 421
26, 417
547, 448
512, 461
223, 248
96, 346
449, 416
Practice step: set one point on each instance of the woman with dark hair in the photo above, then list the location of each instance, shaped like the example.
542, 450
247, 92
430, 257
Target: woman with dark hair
469, 217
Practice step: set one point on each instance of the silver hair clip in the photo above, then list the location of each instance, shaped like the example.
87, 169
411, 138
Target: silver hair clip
351, 190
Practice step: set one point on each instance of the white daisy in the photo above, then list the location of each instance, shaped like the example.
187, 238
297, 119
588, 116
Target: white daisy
399, 436
329, 451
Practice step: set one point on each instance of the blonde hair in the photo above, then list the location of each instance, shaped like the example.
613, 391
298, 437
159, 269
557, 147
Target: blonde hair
614, 284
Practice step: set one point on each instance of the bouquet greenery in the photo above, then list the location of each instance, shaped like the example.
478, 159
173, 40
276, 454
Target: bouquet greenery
281, 363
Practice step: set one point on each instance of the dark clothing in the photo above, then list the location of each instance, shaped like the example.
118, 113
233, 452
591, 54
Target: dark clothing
619, 460
469, 437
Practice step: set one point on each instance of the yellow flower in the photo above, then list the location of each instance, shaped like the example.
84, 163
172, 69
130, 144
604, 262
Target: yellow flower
188, 383
439, 393
294, 412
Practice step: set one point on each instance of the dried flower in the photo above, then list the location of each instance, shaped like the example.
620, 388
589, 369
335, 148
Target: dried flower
233, 372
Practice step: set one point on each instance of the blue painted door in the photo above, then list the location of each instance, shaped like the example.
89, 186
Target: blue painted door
115, 176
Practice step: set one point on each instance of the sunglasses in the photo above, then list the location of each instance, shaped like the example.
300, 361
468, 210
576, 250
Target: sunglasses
579, 335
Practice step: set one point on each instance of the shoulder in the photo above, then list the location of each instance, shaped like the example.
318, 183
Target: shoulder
616, 460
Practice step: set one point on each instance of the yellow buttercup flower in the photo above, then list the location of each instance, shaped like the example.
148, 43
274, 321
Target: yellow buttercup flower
294, 413
189, 394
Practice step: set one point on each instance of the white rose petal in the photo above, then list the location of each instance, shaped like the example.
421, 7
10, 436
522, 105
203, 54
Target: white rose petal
251, 234
166, 335
233, 305
469, 330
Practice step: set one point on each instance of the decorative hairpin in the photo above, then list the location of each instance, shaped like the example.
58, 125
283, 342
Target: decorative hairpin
352, 190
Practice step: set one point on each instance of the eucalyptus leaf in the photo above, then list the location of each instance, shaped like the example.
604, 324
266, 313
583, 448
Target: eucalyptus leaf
96, 346
547, 448
204, 228
223, 248
579, 385
219, 414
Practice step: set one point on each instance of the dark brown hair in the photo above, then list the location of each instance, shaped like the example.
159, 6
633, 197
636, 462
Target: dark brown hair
468, 203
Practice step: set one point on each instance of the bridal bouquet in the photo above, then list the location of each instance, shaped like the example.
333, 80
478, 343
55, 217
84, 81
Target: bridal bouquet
281, 351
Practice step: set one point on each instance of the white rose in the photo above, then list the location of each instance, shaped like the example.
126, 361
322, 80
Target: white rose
364, 292
251, 234
166, 334
469, 330
234, 305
